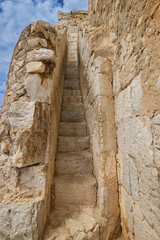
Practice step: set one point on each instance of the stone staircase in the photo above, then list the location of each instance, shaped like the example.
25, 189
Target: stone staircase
75, 214
74, 182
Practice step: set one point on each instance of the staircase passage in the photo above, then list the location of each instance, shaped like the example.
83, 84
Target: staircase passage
74, 182
74, 185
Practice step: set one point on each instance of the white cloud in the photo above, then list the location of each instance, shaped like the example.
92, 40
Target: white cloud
16, 15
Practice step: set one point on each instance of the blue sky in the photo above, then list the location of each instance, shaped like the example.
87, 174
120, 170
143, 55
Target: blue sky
15, 15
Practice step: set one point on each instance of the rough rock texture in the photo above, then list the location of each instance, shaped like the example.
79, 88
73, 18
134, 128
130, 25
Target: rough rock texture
35, 67
96, 84
75, 186
76, 223
29, 117
118, 52
132, 28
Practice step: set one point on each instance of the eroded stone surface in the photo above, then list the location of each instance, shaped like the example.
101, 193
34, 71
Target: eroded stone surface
21, 114
35, 67
75, 190
26, 162
42, 54
76, 223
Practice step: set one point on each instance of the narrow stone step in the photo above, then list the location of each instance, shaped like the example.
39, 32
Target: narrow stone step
72, 38
72, 63
72, 116
73, 163
71, 92
73, 129
72, 44
72, 51
72, 144
73, 99
72, 58
72, 71
72, 77
72, 106
72, 48
72, 34
75, 190
71, 84
73, 55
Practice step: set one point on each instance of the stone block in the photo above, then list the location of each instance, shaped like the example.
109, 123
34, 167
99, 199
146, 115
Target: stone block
21, 114
73, 144
35, 67
16, 219
75, 190
71, 84
37, 89
129, 176
30, 146
29, 177
74, 163
137, 143
73, 129
72, 106
41, 54
128, 102
71, 93
72, 116
36, 42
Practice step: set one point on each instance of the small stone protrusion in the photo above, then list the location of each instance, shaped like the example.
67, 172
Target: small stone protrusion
5, 147
35, 67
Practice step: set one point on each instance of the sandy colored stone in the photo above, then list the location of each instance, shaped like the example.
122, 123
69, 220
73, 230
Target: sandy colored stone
21, 114
73, 129
75, 190
25, 133
72, 144
37, 89
35, 67
72, 116
73, 163
5, 147
41, 54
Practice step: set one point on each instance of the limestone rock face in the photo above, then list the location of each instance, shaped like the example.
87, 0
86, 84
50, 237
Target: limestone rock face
42, 54
37, 89
132, 31
26, 161
35, 67
21, 114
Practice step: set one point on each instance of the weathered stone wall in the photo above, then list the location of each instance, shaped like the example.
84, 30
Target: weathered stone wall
133, 27
28, 130
96, 84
